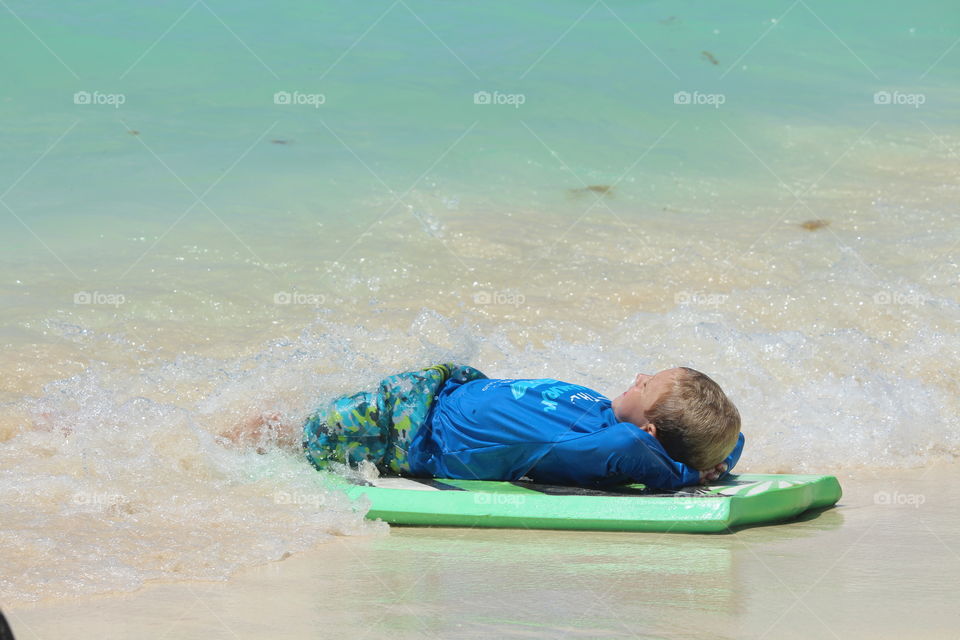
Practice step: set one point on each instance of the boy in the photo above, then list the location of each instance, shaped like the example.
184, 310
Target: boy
669, 430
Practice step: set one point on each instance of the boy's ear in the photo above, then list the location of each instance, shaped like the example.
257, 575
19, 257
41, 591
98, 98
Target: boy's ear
650, 428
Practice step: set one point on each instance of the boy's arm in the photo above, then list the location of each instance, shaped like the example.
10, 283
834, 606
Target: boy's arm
734, 456
648, 462
724, 467
621, 453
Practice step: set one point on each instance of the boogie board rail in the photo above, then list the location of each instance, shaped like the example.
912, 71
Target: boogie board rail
739, 501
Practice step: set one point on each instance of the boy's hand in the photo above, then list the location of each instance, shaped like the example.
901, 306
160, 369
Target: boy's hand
711, 475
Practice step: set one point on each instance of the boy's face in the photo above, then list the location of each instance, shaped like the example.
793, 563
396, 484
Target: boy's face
632, 405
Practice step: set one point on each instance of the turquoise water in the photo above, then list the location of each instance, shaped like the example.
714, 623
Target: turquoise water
398, 79
182, 247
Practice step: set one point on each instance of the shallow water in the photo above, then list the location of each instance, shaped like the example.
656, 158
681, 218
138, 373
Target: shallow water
236, 254
879, 565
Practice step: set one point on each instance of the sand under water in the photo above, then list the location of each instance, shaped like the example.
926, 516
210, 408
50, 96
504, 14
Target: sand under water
836, 344
767, 195
881, 564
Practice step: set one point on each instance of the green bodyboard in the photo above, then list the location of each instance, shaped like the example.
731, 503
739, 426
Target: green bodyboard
736, 501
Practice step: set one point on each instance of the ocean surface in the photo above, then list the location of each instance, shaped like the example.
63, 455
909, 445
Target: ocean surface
213, 209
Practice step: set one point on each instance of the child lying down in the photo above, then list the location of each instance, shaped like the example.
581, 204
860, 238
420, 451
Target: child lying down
669, 430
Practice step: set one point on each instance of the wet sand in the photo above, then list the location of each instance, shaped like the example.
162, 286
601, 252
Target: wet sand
882, 564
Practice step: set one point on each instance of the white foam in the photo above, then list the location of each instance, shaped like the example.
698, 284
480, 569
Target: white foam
838, 347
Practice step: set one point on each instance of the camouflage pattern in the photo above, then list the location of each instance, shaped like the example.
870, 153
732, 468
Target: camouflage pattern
379, 426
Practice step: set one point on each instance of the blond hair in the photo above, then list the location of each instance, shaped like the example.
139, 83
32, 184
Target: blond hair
696, 422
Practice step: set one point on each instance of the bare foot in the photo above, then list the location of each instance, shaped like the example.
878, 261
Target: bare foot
261, 428
46, 421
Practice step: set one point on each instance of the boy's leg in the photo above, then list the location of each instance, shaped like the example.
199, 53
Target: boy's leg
349, 432
408, 398
379, 426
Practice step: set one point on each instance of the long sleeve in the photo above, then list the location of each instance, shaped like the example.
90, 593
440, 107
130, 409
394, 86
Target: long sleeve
620, 454
734, 456
668, 473
647, 462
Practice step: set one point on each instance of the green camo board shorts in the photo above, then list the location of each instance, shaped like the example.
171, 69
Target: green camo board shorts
379, 426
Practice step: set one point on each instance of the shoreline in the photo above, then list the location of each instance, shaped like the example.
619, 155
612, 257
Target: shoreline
882, 552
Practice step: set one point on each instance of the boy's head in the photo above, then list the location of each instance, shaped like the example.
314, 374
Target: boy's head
686, 411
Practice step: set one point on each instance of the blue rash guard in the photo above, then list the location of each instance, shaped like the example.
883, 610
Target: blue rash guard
551, 431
